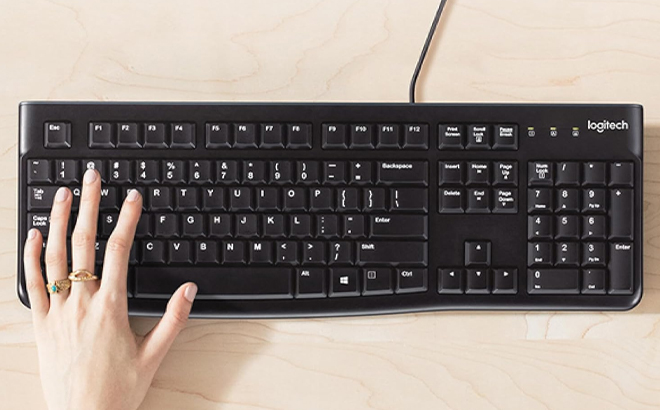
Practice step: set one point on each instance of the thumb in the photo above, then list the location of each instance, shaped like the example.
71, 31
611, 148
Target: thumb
157, 343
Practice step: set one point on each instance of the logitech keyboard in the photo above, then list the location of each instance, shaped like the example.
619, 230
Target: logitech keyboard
299, 210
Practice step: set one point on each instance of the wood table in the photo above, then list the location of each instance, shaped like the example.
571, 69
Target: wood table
352, 50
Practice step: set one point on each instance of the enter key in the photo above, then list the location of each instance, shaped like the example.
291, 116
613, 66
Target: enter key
399, 226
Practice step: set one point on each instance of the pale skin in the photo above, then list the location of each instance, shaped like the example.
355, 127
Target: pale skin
89, 358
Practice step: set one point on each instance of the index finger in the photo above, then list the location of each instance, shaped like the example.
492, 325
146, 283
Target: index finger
118, 248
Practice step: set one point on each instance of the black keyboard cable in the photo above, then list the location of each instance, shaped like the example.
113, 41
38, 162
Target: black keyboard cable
425, 49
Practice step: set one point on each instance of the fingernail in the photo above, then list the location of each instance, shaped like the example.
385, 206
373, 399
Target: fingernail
62, 194
133, 195
190, 292
90, 176
32, 233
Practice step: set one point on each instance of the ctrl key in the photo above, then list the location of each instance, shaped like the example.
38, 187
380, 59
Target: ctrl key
553, 281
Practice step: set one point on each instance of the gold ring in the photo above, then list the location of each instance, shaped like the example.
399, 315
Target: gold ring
82, 275
58, 286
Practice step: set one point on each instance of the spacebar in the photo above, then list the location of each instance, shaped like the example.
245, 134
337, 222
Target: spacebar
215, 283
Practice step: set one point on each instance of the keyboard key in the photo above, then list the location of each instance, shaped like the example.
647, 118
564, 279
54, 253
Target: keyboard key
593, 201
39, 171
539, 200
568, 200
215, 282
206, 252
107, 224
233, 252
295, 199
568, 174
376, 281
155, 136
226, 172
348, 200
334, 172
67, 171
174, 172
505, 281
281, 172
408, 200
411, 280
254, 172
477, 253
416, 136
41, 197
220, 225
593, 254
594, 174
286, 253
478, 137
144, 226
478, 201
200, 172
217, 136
567, 227
267, 199
621, 268
40, 221
373, 199
272, 136
166, 225
361, 136
313, 253
147, 171
450, 201
213, 199
388, 136
450, 281
593, 281
186, 199
100, 135
399, 226
310, 283
539, 227
108, 199
478, 173
392, 253
57, 135
622, 174
128, 135
240, 199
505, 173
260, 252
451, 136
273, 226
307, 172
540, 174
245, 136
360, 172
193, 225
179, 252
341, 252
121, 171
553, 281
327, 226
621, 214
539, 254
299, 136
183, 135
594, 227
451, 173
505, 201
300, 226
568, 254
153, 252
477, 281
344, 282
334, 136
506, 137
409, 173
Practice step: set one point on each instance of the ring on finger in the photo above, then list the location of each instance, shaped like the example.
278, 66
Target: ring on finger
82, 275
58, 286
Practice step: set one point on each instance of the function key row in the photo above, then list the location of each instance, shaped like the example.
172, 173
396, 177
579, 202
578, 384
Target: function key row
477, 137
545, 173
500, 173
264, 135
69, 171
149, 135
370, 136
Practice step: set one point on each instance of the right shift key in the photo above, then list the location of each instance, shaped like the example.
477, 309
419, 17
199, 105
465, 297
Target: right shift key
621, 268
621, 214
393, 253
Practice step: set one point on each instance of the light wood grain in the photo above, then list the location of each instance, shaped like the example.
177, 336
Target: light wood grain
353, 50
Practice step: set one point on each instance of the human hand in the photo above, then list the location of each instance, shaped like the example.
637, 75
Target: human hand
89, 358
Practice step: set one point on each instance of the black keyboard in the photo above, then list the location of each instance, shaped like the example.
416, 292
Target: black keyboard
291, 210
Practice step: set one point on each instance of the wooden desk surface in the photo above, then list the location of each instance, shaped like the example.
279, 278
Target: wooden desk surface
350, 50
